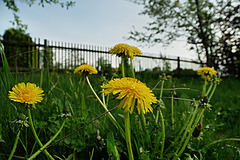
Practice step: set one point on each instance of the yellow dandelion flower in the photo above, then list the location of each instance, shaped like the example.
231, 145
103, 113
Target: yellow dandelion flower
169, 76
126, 50
132, 92
26, 93
68, 72
206, 72
85, 69
136, 51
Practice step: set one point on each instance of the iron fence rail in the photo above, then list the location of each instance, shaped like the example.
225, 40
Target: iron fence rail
67, 56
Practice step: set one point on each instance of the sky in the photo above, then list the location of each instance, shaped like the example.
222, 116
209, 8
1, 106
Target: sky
94, 22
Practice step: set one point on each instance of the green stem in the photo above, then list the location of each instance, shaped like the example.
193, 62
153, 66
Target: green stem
162, 120
128, 135
50, 141
163, 133
127, 123
214, 88
160, 98
172, 112
190, 134
209, 89
103, 99
143, 121
15, 145
41, 78
204, 87
95, 94
220, 140
133, 73
106, 109
161, 91
36, 136
123, 70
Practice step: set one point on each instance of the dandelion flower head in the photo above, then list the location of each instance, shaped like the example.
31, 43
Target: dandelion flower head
136, 51
132, 92
26, 93
85, 69
68, 72
126, 50
169, 76
206, 72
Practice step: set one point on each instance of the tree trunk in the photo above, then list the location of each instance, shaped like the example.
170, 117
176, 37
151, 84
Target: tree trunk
203, 36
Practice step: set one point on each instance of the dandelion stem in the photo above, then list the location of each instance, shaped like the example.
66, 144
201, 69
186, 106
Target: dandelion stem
95, 93
172, 112
128, 135
127, 123
133, 73
162, 120
15, 145
204, 87
123, 71
103, 97
36, 136
163, 132
209, 89
143, 121
160, 98
161, 91
50, 141
220, 140
106, 109
214, 88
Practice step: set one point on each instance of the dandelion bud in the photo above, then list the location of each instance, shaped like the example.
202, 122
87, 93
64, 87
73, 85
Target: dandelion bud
98, 138
197, 130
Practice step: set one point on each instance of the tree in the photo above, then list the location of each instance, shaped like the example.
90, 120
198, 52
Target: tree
227, 48
23, 53
197, 20
19, 56
11, 4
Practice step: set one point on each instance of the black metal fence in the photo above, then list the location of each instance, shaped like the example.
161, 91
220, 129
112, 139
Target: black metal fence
36, 54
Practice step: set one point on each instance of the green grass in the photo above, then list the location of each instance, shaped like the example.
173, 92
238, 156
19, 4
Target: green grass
66, 93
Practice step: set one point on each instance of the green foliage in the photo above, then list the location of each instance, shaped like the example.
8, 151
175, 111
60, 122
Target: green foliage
111, 147
1, 140
104, 67
25, 56
5, 76
211, 28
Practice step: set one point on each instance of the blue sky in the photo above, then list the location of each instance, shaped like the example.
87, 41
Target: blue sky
95, 22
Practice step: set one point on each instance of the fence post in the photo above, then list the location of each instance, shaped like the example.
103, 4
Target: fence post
45, 54
178, 66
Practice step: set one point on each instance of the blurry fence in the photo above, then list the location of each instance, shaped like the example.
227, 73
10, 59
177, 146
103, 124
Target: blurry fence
34, 54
